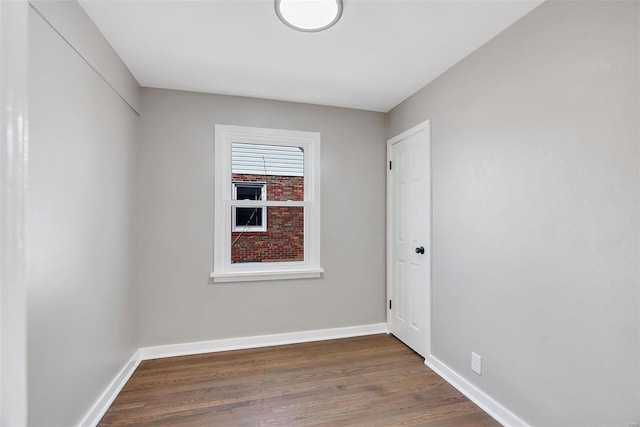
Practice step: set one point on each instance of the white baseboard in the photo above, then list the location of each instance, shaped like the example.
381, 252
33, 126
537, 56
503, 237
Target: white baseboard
473, 393
477, 396
259, 341
99, 408
93, 416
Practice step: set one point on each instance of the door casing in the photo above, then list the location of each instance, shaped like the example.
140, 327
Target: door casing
13, 174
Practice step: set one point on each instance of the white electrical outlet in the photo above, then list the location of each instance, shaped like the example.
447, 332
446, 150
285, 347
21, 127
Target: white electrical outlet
476, 363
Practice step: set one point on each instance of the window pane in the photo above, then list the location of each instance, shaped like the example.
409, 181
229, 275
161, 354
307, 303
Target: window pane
248, 217
282, 241
248, 192
280, 167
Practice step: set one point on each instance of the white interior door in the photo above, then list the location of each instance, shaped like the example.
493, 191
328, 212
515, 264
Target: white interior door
409, 237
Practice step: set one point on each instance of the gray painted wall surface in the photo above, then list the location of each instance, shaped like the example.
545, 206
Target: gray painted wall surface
536, 194
82, 324
178, 302
535, 213
71, 21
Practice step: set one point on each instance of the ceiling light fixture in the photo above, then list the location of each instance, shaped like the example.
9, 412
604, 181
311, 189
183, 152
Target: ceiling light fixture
309, 15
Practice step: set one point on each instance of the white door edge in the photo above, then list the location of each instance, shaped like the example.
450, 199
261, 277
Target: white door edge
13, 167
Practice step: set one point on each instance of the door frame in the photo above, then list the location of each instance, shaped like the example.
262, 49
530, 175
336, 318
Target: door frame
13, 174
420, 127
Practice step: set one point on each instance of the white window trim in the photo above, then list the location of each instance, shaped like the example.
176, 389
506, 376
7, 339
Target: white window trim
249, 228
223, 269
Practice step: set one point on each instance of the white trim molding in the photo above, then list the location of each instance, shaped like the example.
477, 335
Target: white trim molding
102, 404
14, 140
473, 393
200, 347
99, 408
309, 273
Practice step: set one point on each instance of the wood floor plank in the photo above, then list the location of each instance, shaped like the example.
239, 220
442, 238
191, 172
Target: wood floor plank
365, 381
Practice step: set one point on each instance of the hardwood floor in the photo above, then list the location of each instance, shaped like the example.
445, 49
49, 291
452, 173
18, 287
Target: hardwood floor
366, 381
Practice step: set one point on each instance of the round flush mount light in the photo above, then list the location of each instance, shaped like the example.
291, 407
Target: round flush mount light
309, 15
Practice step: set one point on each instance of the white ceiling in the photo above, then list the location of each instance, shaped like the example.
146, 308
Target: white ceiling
378, 54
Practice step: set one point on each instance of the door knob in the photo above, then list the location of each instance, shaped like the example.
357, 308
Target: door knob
420, 250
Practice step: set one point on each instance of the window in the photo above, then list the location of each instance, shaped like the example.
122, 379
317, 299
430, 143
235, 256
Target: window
267, 205
253, 218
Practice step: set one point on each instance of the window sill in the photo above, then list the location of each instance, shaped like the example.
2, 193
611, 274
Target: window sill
253, 276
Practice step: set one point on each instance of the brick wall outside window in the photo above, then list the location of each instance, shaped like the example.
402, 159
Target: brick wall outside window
284, 238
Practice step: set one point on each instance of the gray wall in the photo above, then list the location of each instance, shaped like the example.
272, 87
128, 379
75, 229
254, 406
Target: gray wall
536, 195
178, 302
73, 24
535, 213
82, 324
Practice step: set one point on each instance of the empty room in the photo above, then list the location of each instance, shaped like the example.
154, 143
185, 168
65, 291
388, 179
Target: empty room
320, 212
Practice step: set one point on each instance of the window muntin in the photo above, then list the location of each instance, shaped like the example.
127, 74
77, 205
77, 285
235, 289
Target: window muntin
256, 156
